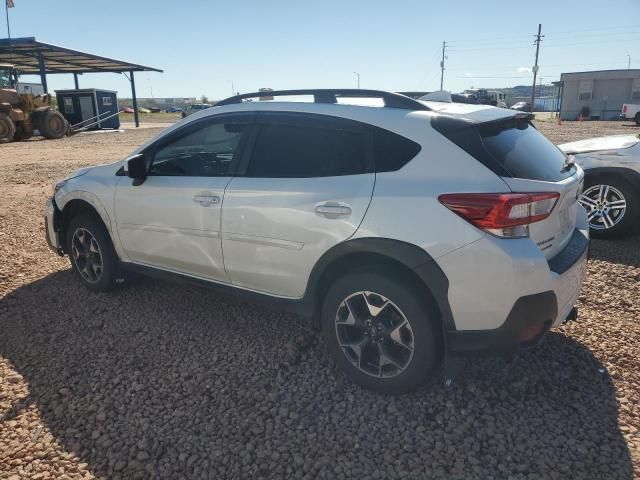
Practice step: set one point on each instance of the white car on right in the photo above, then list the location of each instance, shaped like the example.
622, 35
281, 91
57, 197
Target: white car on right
611, 192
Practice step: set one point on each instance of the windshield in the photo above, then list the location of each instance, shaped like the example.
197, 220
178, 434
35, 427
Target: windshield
5, 77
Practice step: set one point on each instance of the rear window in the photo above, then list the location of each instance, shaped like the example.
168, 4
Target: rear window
524, 151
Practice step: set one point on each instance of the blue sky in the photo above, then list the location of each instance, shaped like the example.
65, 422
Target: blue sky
204, 45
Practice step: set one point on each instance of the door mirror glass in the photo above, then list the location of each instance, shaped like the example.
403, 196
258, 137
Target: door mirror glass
136, 168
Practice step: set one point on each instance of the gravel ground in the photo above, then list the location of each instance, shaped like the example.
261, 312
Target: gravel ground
156, 380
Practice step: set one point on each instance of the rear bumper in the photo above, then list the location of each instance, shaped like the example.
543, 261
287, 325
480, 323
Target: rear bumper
50, 226
532, 315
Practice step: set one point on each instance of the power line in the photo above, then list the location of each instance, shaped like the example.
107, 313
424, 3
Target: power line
586, 32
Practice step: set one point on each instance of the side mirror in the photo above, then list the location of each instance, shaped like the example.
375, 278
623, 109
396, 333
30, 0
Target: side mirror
136, 168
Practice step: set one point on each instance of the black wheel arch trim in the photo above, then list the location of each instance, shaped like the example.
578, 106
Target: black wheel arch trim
407, 254
626, 173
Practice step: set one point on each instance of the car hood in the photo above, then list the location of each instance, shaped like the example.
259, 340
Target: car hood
614, 142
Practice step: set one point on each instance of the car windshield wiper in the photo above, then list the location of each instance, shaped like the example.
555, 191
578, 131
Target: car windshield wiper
569, 163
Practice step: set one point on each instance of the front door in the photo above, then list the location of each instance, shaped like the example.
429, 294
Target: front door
87, 107
172, 220
306, 188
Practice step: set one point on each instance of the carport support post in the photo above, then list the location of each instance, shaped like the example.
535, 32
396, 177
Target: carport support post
75, 80
134, 99
43, 75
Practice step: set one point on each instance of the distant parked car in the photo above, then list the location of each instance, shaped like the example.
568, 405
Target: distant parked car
611, 193
194, 108
155, 109
521, 106
631, 111
126, 110
173, 110
144, 110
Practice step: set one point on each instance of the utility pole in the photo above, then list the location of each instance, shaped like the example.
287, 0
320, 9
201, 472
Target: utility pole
444, 48
535, 66
7, 5
628, 61
358, 75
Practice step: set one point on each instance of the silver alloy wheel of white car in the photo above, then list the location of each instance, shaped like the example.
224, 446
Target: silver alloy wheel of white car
605, 204
87, 255
374, 334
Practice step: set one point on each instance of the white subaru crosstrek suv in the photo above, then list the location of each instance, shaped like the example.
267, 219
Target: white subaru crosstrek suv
409, 232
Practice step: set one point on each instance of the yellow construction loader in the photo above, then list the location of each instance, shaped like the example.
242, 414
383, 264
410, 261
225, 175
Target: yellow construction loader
23, 113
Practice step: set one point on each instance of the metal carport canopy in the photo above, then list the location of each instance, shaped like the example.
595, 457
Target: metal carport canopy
31, 57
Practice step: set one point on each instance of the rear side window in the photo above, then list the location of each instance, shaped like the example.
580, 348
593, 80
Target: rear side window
525, 152
291, 151
392, 151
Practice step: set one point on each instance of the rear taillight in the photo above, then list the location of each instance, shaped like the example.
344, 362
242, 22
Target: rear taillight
624, 108
505, 215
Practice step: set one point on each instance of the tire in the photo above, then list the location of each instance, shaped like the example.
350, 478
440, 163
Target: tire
7, 128
613, 205
401, 302
22, 135
52, 125
96, 279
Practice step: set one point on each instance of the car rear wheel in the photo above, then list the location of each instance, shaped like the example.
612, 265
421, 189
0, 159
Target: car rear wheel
380, 332
91, 253
612, 206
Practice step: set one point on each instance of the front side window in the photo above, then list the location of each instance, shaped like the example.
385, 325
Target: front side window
5, 78
208, 151
292, 151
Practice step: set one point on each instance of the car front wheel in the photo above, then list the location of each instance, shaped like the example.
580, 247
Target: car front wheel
381, 332
612, 206
91, 253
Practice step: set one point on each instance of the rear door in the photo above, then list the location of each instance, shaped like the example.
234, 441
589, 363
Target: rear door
534, 164
306, 187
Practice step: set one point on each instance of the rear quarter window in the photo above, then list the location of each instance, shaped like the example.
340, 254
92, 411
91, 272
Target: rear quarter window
392, 151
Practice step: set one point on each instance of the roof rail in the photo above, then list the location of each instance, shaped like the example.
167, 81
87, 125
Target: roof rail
330, 95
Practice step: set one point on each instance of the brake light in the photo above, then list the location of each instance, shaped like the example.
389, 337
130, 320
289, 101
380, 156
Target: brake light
506, 215
624, 108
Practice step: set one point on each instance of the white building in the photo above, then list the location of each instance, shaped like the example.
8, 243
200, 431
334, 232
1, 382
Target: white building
599, 94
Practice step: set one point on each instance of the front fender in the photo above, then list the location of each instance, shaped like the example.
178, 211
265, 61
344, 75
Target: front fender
65, 196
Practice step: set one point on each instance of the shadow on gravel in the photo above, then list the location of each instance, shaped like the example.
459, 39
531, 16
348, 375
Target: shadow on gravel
623, 251
165, 381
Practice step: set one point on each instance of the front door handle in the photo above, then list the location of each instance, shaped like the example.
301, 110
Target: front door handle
206, 200
333, 210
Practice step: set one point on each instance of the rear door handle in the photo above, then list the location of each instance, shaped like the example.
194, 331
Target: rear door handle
333, 210
206, 200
